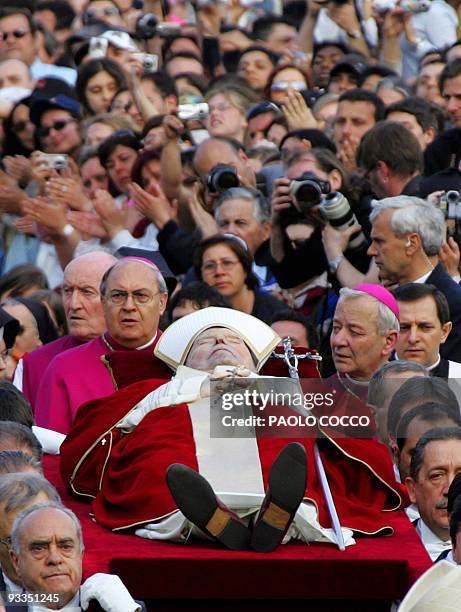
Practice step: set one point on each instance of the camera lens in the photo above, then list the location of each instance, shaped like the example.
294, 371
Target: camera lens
222, 178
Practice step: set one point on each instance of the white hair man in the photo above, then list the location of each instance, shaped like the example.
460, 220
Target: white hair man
173, 421
407, 234
47, 553
365, 331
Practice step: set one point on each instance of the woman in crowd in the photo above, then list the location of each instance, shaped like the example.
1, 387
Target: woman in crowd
224, 262
97, 83
228, 106
283, 78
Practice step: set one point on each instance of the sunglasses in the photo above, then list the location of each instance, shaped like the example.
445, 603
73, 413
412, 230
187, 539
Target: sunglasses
44, 132
15, 34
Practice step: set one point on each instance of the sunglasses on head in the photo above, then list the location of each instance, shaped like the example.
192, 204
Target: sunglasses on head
15, 33
44, 132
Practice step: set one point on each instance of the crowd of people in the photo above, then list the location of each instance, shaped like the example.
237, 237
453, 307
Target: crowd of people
185, 184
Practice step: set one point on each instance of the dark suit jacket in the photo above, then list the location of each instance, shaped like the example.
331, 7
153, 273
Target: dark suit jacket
452, 291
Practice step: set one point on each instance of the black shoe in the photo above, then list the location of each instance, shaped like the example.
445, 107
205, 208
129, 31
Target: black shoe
197, 501
287, 486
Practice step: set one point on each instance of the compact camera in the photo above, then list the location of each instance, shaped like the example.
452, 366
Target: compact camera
450, 204
98, 47
193, 112
55, 161
149, 61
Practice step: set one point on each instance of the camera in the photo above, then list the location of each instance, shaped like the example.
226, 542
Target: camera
450, 204
149, 61
335, 209
308, 190
193, 112
55, 161
221, 178
148, 26
98, 47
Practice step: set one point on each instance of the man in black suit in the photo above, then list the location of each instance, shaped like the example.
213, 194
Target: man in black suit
407, 234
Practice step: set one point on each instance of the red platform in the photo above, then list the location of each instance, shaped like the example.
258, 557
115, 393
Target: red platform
375, 569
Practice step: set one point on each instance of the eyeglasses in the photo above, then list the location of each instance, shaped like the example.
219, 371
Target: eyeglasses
6, 542
221, 108
139, 297
44, 132
15, 34
225, 264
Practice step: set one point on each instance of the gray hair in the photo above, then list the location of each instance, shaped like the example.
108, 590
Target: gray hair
387, 320
261, 210
437, 434
160, 280
377, 391
18, 461
414, 215
17, 490
15, 533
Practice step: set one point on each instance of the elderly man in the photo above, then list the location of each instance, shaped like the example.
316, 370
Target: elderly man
84, 315
424, 327
407, 234
365, 331
173, 421
134, 295
47, 552
435, 462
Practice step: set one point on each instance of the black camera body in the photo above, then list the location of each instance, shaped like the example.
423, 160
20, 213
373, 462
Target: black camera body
221, 178
308, 190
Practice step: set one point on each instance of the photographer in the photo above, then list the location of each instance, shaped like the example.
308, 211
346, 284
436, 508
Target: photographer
297, 264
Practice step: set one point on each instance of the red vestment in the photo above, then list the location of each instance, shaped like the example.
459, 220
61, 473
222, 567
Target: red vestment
125, 474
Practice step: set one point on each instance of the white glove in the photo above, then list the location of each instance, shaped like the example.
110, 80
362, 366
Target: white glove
50, 440
109, 591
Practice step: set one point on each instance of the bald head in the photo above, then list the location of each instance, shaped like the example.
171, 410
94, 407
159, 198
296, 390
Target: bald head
81, 297
15, 73
134, 296
217, 151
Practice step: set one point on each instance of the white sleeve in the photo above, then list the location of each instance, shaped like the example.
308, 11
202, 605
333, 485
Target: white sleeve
50, 440
18, 373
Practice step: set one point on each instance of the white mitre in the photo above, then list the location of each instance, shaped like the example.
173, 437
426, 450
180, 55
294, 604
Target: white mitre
176, 341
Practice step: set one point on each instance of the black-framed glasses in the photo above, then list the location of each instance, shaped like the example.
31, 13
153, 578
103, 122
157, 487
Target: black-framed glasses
44, 132
15, 34
6, 542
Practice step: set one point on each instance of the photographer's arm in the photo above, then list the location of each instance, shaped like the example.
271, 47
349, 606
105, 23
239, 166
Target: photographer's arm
306, 31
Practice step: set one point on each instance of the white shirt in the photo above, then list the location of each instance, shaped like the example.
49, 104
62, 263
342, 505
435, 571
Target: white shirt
40, 70
432, 543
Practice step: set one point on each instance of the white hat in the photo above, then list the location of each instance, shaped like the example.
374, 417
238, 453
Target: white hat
121, 40
437, 589
176, 341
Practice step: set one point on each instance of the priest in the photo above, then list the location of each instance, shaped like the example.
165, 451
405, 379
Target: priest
133, 295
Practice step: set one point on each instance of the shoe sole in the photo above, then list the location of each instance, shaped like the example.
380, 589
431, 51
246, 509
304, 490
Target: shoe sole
196, 499
287, 486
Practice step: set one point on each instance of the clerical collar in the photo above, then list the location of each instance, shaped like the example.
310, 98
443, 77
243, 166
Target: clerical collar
113, 345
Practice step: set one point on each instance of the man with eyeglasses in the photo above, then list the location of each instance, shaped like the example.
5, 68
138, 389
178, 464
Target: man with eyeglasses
134, 295
18, 40
57, 127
